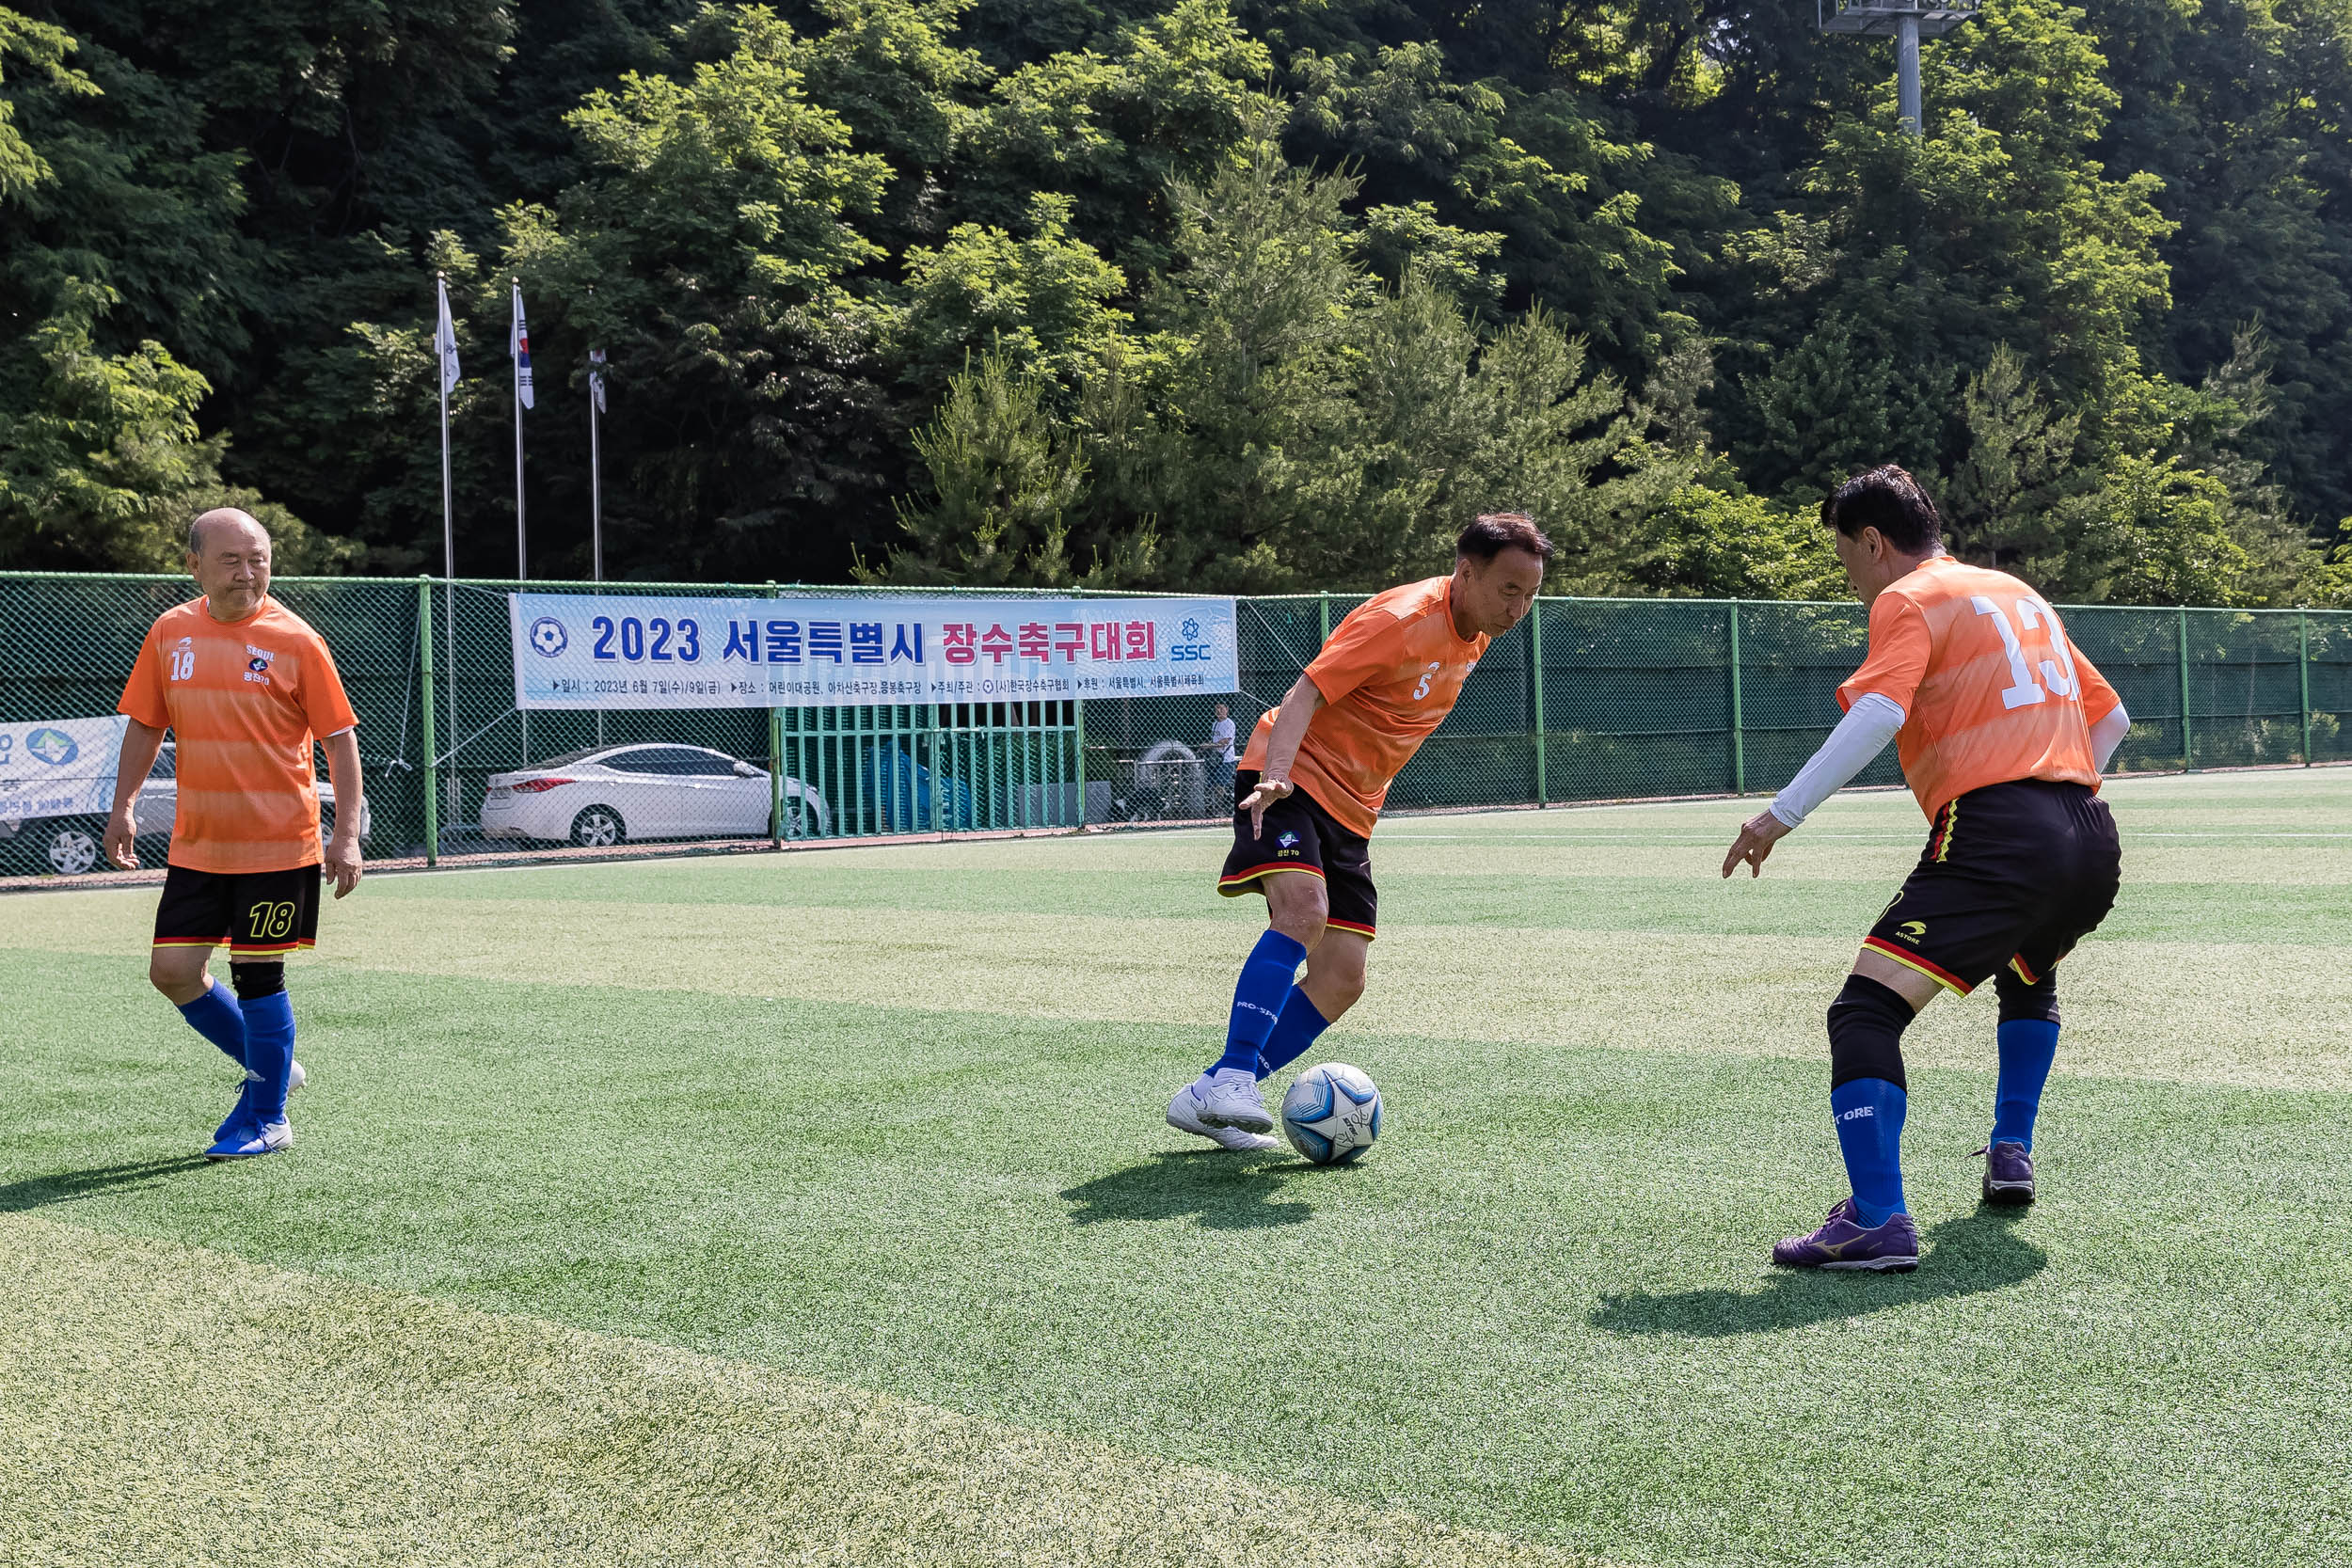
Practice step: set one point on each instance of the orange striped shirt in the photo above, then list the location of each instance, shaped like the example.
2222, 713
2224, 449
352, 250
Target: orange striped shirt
1389, 675
243, 700
1991, 688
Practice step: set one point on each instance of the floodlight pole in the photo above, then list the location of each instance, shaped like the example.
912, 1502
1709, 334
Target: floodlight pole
1907, 21
1907, 73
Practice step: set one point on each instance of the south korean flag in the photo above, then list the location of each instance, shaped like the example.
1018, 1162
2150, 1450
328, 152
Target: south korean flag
519, 348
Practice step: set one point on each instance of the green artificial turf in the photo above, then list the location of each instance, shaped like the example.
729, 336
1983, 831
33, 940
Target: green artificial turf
889, 1120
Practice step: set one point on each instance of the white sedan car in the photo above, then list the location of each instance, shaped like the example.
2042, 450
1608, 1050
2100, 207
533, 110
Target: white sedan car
608, 794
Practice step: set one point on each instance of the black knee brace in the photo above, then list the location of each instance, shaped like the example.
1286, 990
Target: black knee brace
2020, 999
254, 981
1866, 1033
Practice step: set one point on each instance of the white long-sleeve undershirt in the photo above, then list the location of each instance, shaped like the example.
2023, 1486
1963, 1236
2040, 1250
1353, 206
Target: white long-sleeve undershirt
2107, 733
1861, 735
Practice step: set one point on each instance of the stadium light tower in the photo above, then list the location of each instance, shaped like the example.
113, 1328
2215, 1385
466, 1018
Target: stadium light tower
1907, 21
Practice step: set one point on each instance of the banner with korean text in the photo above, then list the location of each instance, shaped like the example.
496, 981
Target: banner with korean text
622, 650
60, 766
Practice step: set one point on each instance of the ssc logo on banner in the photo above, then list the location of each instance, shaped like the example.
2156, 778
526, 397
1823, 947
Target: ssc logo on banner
548, 637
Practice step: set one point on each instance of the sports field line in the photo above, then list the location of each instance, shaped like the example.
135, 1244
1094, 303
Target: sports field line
2236, 1015
1391, 836
162, 1402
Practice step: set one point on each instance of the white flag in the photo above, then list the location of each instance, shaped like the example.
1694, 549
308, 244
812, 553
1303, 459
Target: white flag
595, 377
518, 349
445, 342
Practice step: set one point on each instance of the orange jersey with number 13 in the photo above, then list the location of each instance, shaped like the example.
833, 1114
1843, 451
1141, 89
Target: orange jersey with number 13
1989, 686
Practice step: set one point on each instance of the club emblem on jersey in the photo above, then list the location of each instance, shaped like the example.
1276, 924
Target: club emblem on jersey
257, 664
548, 636
1288, 841
1912, 931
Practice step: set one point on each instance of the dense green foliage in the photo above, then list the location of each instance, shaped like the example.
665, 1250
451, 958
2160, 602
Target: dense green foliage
1178, 294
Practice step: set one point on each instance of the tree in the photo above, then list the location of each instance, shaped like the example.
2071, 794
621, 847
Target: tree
101, 463
1004, 480
1039, 302
791, 226
718, 222
1284, 419
2000, 504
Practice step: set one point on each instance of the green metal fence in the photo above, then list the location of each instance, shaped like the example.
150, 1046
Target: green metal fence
1592, 699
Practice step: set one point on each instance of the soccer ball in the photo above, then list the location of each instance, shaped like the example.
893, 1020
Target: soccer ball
1332, 1114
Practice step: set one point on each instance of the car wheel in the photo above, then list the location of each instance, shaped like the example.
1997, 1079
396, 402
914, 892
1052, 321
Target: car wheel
71, 848
599, 828
804, 820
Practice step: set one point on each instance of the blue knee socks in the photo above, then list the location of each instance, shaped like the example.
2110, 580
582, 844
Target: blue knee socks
1301, 1024
2027, 1045
216, 1016
269, 1029
1258, 1000
1870, 1117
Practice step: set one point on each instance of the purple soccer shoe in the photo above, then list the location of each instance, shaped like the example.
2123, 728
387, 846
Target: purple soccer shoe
2008, 1173
1842, 1243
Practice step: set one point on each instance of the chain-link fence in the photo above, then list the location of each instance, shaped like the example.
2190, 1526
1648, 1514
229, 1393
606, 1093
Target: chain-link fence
1591, 699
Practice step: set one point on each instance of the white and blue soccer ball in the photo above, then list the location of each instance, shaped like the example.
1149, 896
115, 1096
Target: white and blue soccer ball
1332, 1114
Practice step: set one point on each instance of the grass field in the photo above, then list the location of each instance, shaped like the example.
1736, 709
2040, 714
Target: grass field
817, 1208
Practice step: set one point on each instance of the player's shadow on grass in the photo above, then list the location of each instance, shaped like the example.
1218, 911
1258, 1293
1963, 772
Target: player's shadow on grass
1220, 1190
36, 1192
1960, 1257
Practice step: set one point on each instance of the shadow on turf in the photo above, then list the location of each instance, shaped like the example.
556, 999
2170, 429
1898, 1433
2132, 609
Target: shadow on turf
1222, 1191
1963, 1258
36, 1192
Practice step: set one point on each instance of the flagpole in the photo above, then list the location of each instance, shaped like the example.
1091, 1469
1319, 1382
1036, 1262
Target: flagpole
519, 350
440, 377
596, 479
522, 562
445, 332
595, 491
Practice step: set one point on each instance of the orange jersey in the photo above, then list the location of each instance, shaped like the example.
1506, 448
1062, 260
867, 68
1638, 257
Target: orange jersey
244, 701
1989, 687
1390, 675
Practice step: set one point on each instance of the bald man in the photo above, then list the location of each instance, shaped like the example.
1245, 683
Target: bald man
246, 687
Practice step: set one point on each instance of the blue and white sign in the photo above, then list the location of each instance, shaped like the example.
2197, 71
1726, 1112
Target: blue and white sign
614, 651
60, 766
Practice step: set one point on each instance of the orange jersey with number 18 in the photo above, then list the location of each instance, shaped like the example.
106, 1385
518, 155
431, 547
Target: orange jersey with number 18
243, 700
1989, 686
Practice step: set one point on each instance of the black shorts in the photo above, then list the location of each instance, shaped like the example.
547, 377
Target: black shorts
2013, 875
1301, 837
260, 914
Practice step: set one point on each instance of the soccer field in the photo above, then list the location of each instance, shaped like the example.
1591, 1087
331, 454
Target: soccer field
818, 1208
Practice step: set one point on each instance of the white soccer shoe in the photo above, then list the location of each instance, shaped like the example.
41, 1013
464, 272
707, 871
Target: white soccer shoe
295, 1079
249, 1139
1184, 1113
1232, 1100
